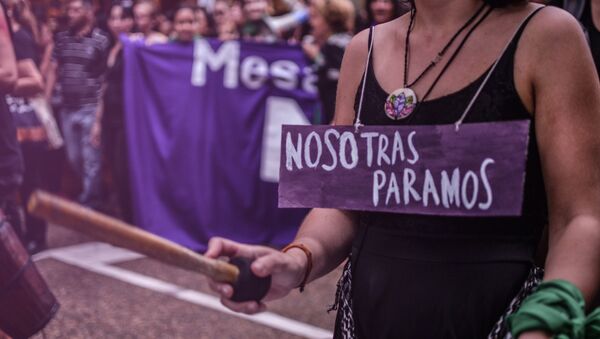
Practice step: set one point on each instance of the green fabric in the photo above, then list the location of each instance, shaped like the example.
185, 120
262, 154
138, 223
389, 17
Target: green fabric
557, 307
592, 325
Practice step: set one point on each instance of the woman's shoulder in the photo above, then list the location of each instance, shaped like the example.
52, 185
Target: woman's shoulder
553, 28
358, 48
552, 38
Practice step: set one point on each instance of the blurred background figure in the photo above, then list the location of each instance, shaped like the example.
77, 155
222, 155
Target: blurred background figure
254, 26
381, 11
112, 117
185, 24
259, 25
80, 55
205, 23
331, 23
164, 24
31, 134
224, 20
11, 164
145, 13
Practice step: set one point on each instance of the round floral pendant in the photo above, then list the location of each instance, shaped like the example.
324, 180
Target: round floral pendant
400, 104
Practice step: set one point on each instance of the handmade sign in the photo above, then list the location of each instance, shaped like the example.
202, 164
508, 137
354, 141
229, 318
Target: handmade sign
478, 170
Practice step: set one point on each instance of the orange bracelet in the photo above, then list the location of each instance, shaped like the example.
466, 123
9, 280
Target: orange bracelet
308, 262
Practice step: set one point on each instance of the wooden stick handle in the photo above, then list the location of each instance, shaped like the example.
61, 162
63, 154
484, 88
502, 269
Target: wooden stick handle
102, 227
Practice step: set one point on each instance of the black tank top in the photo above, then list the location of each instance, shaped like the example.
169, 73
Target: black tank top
418, 276
498, 101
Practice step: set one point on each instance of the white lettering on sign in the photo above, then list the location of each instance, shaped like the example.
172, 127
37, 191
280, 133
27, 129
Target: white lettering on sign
331, 149
453, 192
413, 149
369, 136
255, 71
285, 74
486, 184
313, 137
451, 188
252, 71
227, 56
378, 184
348, 140
279, 111
437, 189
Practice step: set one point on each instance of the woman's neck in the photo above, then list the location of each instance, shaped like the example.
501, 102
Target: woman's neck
437, 17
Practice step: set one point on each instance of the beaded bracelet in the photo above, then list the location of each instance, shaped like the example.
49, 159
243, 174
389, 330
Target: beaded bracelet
308, 261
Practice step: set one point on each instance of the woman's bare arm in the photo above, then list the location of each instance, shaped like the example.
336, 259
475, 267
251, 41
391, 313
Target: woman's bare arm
566, 96
328, 233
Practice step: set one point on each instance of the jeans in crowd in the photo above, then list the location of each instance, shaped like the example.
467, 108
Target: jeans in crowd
84, 157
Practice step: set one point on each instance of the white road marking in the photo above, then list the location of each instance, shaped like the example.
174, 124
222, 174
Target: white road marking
96, 257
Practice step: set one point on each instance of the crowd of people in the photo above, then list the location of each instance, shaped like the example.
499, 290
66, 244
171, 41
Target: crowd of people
62, 77
68, 106
70, 72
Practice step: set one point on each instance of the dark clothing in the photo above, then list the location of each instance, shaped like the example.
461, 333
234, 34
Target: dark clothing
419, 276
81, 66
114, 143
29, 127
34, 143
11, 163
34, 157
328, 64
593, 33
257, 31
113, 96
25, 46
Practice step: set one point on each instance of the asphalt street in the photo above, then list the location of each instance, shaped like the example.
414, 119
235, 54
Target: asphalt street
107, 292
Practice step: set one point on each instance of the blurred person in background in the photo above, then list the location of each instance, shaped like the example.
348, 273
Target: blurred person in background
260, 26
225, 23
45, 45
381, 11
206, 24
185, 25
111, 118
145, 13
236, 15
254, 26
31, 134
55, 155
331, 22
164, 23
11, 163
80, 56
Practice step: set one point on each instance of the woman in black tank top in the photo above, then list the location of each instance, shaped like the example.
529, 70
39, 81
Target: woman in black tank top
471, 252
416, 276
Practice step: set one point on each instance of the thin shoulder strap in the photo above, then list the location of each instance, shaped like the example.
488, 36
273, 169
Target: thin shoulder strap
357, 123
517, 33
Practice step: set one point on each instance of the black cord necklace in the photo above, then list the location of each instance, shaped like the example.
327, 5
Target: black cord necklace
402, 102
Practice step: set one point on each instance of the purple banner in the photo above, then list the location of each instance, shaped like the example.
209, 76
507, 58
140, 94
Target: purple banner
203, 127
478, 170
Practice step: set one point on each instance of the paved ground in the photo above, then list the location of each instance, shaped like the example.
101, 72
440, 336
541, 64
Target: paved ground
106, 292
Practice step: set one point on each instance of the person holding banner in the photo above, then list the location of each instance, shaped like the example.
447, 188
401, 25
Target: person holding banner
331, 23
450, 62
185, 25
